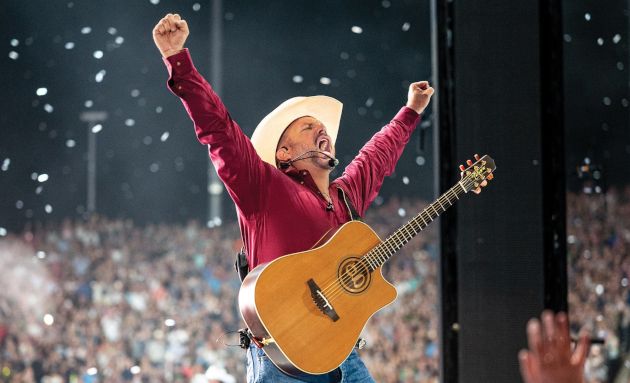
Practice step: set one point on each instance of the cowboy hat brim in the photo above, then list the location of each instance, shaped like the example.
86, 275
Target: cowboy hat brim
268, 132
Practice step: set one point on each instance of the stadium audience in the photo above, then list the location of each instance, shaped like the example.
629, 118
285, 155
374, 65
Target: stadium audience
147, 304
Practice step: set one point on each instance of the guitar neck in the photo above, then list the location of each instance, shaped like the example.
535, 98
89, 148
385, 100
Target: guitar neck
376, 257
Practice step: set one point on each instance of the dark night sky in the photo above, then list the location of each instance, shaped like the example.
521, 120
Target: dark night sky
150, 166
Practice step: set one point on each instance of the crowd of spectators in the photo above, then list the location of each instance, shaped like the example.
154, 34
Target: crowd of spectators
117, 302
598, 247
110, 301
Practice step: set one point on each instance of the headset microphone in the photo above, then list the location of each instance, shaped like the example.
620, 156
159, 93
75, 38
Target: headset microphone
332, 162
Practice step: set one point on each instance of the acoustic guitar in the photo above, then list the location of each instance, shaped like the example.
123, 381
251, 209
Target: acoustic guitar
308, 309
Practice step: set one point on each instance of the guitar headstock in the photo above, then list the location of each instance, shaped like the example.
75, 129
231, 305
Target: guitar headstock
475, 174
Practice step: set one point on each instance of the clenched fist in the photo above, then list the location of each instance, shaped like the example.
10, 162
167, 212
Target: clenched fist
419, 96
169, 34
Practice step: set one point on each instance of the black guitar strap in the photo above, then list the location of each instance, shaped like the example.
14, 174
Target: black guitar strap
354, 216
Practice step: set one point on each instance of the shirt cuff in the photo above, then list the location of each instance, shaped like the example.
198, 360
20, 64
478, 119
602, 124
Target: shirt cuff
407, 116
178, 65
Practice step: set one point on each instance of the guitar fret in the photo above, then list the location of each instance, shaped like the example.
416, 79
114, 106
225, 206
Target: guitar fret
436, 212
369, 261
441, 204
381, 257
418, 223
401, 239
407, 230
390, 248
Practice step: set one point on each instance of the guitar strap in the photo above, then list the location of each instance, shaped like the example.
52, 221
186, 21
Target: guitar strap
242, 266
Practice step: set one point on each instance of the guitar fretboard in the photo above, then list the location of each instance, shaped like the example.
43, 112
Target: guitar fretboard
376, 257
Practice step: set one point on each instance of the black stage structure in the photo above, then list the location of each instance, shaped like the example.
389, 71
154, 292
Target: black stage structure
498, 73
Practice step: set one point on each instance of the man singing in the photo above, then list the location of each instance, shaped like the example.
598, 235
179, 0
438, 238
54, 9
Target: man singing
280, 178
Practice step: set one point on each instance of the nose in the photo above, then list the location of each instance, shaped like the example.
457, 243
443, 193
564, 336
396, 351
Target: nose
321, 130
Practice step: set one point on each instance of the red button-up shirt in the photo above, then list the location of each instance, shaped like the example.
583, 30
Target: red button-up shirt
282, 212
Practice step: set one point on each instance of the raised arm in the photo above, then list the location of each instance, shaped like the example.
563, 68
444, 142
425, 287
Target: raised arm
237, 163
377, 159
550, 357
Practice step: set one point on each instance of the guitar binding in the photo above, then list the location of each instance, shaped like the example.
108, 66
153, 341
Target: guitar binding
321, 301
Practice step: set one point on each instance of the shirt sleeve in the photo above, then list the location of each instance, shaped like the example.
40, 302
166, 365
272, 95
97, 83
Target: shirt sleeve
364, 176
232, 153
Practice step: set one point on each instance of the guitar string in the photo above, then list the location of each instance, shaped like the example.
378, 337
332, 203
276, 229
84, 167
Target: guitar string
365, 261
335, 287
380, 251
348, 275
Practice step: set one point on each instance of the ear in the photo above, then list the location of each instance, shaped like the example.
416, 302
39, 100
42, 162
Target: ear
282, 154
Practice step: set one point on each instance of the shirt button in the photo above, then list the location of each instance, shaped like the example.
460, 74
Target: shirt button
179, 63
179, 87
301, 182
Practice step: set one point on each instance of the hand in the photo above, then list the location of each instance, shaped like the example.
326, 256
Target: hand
419, 96
550, 358
484, 183
169, 34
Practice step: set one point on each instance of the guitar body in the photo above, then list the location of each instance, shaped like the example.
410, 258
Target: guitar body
278, 305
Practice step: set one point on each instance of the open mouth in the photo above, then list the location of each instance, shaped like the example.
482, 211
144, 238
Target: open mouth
323, 144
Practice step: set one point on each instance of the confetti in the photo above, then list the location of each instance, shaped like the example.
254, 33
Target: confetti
100, 75
325, 81
49, 320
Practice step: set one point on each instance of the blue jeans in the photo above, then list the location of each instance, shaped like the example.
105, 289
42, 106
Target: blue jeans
262, 370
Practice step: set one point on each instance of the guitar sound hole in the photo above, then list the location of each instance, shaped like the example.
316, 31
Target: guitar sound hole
353, 275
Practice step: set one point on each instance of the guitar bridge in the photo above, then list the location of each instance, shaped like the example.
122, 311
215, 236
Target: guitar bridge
321, 301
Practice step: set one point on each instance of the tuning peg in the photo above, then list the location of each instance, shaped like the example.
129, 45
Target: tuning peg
461, 167
490, 177
477, 157
469, 162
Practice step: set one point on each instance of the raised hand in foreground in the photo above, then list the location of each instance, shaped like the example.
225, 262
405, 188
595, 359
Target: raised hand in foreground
550, 358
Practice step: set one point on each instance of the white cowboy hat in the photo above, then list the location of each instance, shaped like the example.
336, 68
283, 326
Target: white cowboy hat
268, 132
